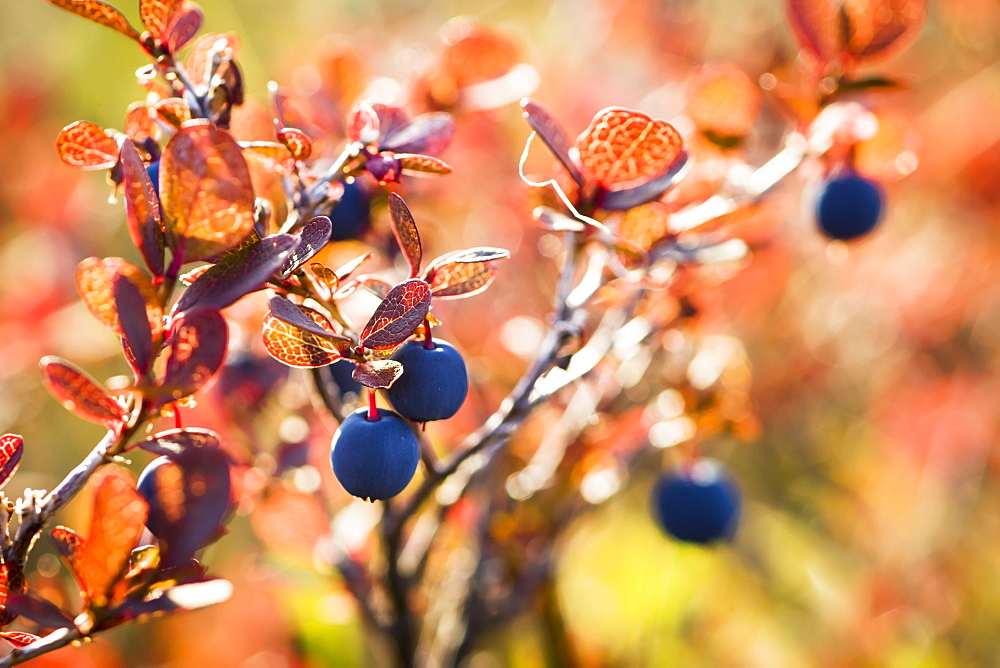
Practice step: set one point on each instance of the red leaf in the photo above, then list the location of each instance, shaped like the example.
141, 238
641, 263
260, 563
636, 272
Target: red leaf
207, 198
196, 351
199, 58
303, 317
296, 141
405, 229
300, 347
173, 110
416, 164
475, 53
309, 241
69, 543
99, 12
398, 316
142, 209
86, 146
323, 279
95, 280
78, 393
815, 25
174, 441
363, 124
11, 449
427, 133
157, 15
137, 337
721, 99
623, 148
19, 639
115, 527
139, 125
879, 28
378, 374
460, 279
187, 23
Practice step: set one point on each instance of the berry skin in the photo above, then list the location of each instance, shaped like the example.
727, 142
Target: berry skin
374, 459
848, 206
157, 521
697, 505
351, 215
434, 381
153, 170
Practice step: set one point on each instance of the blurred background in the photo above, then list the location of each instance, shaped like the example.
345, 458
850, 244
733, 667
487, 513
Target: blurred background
871, 526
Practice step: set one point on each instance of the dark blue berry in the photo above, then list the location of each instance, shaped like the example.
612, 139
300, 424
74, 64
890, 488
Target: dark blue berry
153, 170
350, 216
848, 206
697, 505
157, 521
374, 459
434, 381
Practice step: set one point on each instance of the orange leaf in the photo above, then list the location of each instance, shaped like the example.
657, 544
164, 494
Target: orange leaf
142, 209
157, 15
296, 141
11, 449
99, 12
139, 125
115, 527
460, 279
199, 58
645, 225
85, 145
19, 638
416, 164
879, 28
722, 99
300, 347
95, 280
207, 198
474, 52
78, 393
816, 28
623, 148
173, 110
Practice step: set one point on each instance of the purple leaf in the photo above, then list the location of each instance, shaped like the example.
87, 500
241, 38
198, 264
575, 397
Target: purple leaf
405, 229
173, 442
237, 274
378, 374
550, 132
286, 311
142, 209
428, 133
11, 449
309, 241
197, 349
137, 336
44, 613
620, 200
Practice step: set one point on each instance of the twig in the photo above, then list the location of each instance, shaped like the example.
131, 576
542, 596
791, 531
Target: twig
53, 641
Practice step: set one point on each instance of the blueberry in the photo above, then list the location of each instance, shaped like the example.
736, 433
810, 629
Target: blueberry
434, 381
374, 459
351, 215
149, 486
700, 504
848, 206
153, 170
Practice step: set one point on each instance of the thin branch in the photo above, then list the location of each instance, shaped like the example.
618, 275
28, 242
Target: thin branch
53, 641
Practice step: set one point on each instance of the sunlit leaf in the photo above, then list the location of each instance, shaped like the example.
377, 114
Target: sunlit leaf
552, 134
187, 23
556, 221
237, 274
416, 164
19, 638
299, 347
398, 316
363, 124
142, 209
199, 58
116, 523
645, 225
38, 610
196, 350
139, 125
621, 200
378, 374
879, 28
137, 337
197, 595
476, 52
345, 270
173, 110
95, 280
270, 150
85, 145
207, 198
460, 279
78, 393
477, 254
303, 317
722, 100
297, 142
323, 279
69, 543
309, 241
99, 12
623, 148
11, 449
815, 26
157, 15
405, 229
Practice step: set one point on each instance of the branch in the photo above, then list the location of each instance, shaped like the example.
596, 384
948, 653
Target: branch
55, 640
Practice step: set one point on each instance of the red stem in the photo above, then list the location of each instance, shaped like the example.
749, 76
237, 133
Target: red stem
178, 422
428, 339
372, 408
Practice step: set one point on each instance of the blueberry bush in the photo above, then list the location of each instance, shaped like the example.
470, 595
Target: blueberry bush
407, 331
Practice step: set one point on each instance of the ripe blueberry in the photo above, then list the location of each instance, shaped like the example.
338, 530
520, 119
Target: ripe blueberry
153, 170
352, 214
434, 381
157, 522
374, 459
848, 206
697, 505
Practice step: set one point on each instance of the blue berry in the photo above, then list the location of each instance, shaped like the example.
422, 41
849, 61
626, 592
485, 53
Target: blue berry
848, 206
374, 459
148, 487
352, 213
697, 505
153, 170
434, 381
